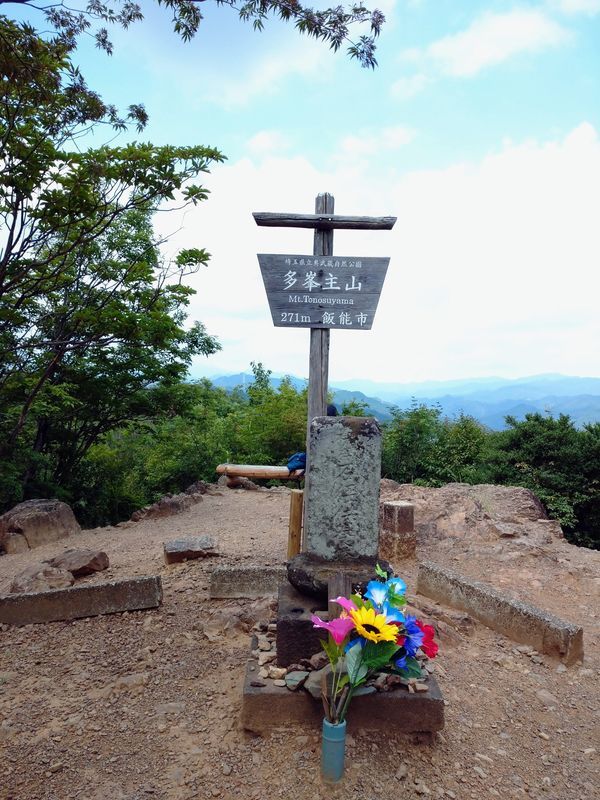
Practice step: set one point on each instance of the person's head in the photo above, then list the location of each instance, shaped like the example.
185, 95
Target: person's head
331, 410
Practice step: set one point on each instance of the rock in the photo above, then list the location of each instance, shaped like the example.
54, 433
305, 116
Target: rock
167, 506
178, 550
279, 682
198, 487
37, 522
265, 658
314, 681
277, 673
295, 680
319, 660
547, 698
41, 578
402, 771
481, 512
80, 561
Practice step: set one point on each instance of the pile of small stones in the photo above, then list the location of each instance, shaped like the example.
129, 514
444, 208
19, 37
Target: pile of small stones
308, 672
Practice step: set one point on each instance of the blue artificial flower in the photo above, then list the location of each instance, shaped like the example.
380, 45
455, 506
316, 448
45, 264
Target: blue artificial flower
401, 662
414, 636
392, 614
376, 592
397, 585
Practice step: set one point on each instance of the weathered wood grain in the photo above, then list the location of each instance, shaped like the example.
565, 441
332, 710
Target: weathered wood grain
324, 222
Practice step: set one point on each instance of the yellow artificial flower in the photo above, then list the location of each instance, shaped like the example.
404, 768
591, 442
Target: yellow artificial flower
373, 626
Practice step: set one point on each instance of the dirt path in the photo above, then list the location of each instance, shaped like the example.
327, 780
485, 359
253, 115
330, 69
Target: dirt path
145, 705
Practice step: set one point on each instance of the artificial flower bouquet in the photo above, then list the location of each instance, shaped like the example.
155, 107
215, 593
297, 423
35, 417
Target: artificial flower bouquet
372, 634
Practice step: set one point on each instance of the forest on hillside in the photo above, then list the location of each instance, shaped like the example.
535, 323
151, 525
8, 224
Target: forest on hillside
188, 428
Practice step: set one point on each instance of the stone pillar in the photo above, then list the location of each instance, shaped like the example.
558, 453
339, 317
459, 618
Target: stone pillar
343, 493
341, 524
397, 530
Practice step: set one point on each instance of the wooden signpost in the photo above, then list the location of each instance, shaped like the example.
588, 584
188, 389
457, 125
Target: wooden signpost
322, 291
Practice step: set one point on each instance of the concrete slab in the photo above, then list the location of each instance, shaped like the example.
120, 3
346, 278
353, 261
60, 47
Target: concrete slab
248, 581
268, 707
81, 601
520, 621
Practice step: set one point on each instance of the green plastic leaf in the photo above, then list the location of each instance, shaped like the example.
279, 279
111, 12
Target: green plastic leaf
412, 669
357, 669
333, 651
376, 655
342, 682
381, 573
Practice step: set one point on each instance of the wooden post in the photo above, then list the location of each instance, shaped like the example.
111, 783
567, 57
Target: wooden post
318, 365
295, 529
340, 584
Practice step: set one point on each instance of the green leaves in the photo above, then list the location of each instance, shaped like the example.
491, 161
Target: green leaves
411, 670
377, 655
333, 650
355, 665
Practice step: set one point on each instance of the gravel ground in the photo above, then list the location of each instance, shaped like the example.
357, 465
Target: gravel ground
146, 704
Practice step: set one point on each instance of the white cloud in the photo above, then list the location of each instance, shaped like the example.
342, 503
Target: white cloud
494, 264
494, 38
589, 7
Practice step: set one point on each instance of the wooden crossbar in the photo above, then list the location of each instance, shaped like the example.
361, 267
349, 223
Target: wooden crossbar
324, 222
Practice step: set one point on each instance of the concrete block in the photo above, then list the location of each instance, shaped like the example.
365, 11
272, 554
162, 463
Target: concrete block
342, 490
268, 707
179, 550
397, 539
246, 581
515, 619
297, 637
81, 601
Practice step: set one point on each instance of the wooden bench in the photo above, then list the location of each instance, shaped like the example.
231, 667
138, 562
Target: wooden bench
235, 471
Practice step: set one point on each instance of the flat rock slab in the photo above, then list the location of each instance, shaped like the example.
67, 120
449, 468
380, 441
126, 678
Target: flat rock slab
179, 550
519, 621
81, 561
245, 581
267, 707
81, 601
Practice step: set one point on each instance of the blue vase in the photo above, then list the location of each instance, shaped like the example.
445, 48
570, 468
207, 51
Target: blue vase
333, 749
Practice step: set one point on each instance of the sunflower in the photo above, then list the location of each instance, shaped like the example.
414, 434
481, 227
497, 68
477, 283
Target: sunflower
373, 626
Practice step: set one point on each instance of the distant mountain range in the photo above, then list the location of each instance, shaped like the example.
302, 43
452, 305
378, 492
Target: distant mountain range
489, 400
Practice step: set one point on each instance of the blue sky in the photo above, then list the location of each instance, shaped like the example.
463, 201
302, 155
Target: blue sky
479, 130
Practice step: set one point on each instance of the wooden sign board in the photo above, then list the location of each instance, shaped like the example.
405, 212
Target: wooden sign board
323, 291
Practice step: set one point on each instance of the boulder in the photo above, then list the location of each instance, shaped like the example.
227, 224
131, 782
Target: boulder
167, 506
482, 512
41, 578
37, 522
80, 562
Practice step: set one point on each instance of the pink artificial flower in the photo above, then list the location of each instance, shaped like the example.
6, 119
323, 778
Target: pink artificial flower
339, 628
347, 605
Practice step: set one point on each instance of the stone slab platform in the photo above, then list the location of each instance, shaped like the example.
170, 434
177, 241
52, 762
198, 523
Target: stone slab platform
520, 621
81, 601
248, 581
266, 708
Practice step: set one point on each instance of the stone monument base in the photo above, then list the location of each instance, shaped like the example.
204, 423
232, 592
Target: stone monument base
266, 707
311, 575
